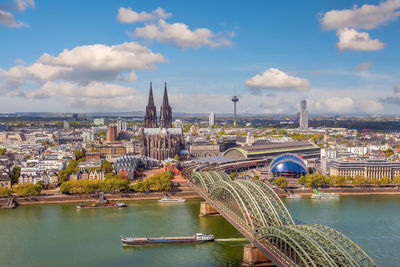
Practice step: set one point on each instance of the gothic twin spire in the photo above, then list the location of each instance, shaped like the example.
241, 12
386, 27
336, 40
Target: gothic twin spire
150, 119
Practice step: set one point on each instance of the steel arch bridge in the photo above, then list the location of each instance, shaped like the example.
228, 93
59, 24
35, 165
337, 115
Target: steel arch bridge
259, 214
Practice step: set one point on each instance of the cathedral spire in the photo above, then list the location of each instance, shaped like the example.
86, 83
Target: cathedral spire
165, 111
151, 98
150, 119
165, 99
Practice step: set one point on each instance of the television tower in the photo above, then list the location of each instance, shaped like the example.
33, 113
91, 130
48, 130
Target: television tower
234, 100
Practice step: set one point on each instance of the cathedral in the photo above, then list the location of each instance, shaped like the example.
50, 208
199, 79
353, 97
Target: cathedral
158, 139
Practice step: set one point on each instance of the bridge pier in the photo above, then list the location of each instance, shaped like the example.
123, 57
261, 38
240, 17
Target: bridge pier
206, 209
252, 256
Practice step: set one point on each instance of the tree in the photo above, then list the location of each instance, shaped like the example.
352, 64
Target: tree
63, 176
281, 182
360, 180
5, 192
177, 157
396, 180
102, 133
384, 180
255, 177
41, 183
388, 152
16, 172
338, 180
79, 154
106, 166
314, 180
27, 189
3, 150
234, 175
157, 182
111, 175
302, 180
72, 166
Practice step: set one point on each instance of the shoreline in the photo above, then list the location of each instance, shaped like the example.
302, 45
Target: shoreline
189, 194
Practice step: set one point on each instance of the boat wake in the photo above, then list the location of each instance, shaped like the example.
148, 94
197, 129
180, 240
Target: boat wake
230, 239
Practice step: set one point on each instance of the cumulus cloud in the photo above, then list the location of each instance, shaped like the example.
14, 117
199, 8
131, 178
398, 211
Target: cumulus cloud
24, 4
345, 105
93, 90
7, 19
180, 35
88, 63
276, 79
364, 17
127, 15
350, 39
363, 66
94, 96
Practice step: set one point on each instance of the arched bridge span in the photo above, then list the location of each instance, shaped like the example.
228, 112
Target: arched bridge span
259, 214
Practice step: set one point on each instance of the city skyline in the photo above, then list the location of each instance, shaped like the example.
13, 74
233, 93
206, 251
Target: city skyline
87, 57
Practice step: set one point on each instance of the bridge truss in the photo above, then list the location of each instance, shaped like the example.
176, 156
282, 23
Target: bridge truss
258, 213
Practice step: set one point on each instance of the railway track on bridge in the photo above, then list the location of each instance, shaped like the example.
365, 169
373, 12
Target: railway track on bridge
257, 212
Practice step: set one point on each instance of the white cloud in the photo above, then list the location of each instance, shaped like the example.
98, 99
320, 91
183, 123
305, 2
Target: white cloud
130, 77
127, 15
369, 106
350, 39
180, 35
276, 79
364, 17
96, 96
345, 105
24, 4
363, 66
75, 90
86, 63
7, 19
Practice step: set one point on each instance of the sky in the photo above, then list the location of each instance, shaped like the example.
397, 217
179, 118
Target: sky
88, 56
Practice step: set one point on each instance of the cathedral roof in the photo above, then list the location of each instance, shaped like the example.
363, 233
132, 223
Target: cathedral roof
163, 131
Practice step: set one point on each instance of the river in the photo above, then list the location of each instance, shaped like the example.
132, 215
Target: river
61, 235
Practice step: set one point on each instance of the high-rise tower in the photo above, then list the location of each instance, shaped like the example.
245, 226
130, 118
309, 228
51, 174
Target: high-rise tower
150, 119
211, 119
165, 111
303, 124
234, 100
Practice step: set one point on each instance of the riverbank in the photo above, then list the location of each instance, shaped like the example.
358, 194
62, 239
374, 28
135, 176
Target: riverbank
182, 190
57, 199
346, 191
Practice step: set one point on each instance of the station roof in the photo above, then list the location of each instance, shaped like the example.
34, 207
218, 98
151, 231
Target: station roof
269, 149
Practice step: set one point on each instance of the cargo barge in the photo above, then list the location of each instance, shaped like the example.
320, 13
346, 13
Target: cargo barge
198, 238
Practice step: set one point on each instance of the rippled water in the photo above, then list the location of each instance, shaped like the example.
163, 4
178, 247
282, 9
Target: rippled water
61, 235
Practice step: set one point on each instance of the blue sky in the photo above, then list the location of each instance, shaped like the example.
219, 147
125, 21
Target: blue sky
87, 56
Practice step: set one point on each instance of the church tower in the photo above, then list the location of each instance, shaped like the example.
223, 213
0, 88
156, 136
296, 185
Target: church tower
150, 119
165, 111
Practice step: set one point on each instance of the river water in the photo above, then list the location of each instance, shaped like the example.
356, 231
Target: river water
61, 235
